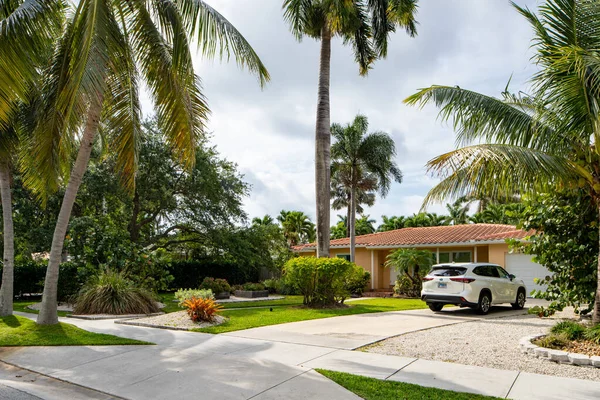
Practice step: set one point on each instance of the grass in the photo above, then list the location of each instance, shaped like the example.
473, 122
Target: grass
255, 317
21, 305
375, 389
21, 331
171, 306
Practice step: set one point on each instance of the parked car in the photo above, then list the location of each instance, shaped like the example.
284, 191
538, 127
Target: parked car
474, 285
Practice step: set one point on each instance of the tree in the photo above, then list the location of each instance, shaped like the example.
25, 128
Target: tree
358, 156
267, 220
457, 212
342, 195
365, 25
365, 225
538, 143
297, 227
391, 223
27, 31
104, 51
566, 242
410, 262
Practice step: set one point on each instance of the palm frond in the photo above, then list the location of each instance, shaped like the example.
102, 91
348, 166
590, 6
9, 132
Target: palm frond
215, 33
495, 169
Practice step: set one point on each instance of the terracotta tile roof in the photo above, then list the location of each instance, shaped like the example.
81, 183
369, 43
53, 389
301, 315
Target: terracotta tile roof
431, 235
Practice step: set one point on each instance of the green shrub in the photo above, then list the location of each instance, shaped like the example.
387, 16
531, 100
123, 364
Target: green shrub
279, 286
357, 281
405, 286
111, 293
322, 281
185, 294
217, 286
556, 341
593, 334
253, 287
189, 273
570, 329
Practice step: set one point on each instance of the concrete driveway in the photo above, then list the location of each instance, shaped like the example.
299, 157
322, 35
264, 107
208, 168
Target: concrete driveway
354, 331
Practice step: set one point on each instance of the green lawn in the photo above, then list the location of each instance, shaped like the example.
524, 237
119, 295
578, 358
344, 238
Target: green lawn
255, 317
21, 331
375, 389
21, 305
171, 306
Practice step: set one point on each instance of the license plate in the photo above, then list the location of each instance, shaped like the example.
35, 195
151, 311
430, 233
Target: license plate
442, 285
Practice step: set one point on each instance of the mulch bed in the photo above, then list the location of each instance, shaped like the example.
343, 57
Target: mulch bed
583, 347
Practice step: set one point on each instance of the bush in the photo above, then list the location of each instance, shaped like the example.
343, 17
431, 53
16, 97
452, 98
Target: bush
593, 334
322, 281
185, 294
189, 273
570, 329
217, 286
253, 287
553, 341
357, 281
405, 286
271, 285
279, 286
202, 309
111, 293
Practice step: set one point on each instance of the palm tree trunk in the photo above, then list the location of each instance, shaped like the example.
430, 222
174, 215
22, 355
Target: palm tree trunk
323, 147
348, 211
596, 312
352, 223
6, 291
48, 312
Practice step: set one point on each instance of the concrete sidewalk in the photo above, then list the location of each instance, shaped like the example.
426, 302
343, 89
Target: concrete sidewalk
185, 365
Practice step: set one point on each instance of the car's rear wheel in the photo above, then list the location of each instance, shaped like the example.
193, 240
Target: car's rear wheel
435, 306
484, 304
519, 301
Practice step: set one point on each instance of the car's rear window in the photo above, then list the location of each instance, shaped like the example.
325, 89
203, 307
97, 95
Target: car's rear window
448, 271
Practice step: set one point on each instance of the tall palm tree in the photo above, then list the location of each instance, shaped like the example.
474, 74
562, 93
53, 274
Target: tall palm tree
27, 31
366, 25
341, 194
537, 143
267, 220
356, 155
106, 49
365, 225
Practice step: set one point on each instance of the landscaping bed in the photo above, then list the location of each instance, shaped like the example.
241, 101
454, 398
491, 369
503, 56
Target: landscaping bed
179, 320
490, 343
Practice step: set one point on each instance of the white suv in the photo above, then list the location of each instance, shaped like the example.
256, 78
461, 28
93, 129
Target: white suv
475, 285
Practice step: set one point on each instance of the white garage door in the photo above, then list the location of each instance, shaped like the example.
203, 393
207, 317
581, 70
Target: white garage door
522, 266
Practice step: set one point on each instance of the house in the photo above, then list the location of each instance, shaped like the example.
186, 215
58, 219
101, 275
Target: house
454, 243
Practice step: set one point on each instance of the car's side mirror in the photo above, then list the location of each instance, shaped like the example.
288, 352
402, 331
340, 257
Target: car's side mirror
511, 276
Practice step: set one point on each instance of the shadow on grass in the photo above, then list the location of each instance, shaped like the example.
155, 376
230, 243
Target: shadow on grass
11, 321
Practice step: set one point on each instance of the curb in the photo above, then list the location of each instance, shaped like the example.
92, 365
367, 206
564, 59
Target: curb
558, 356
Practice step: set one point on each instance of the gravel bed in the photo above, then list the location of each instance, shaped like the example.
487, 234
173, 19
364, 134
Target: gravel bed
490, 343
179, 320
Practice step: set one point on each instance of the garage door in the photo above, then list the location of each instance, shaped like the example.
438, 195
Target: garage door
522, 266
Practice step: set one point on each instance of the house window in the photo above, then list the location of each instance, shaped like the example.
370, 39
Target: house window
454, 256
344, 256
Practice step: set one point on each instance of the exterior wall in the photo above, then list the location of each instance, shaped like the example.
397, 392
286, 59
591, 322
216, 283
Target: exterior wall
497, 254
483, 254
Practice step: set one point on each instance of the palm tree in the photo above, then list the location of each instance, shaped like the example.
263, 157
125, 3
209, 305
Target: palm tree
437, 220
537, 143
365, 25
267, 220
24, 52
357, 156
341, 194
365, 225
297, 227
410, 262
106, 49
457, 212
391, 223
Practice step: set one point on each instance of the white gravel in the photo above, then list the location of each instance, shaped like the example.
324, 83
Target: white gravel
490, 343
178, 320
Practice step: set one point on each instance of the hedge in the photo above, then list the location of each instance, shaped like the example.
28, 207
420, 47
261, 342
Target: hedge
190, 274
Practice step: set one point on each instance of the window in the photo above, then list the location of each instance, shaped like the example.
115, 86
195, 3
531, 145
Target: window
344, 256
447, 270
445, 257
455, 256
486, 270
503, 273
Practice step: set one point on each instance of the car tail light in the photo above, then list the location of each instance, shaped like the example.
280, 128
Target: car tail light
463, 280
426, 279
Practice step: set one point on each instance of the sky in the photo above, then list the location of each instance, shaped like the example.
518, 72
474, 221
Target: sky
269, 132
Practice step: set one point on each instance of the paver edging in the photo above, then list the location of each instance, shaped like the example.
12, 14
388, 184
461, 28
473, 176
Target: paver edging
558, 356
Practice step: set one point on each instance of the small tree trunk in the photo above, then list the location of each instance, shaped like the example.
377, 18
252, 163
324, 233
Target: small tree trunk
348, 216
48, 311
596, 312
323, 148
352, 223
6, 291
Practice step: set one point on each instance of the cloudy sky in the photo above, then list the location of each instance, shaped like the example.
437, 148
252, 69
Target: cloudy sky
269, 133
